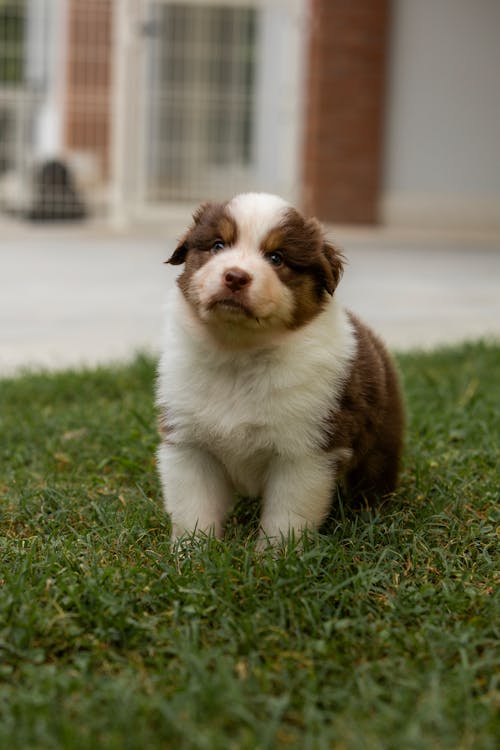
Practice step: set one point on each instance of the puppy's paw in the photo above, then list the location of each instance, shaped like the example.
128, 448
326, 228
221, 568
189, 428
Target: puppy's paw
280, 543
182, 542
265, 544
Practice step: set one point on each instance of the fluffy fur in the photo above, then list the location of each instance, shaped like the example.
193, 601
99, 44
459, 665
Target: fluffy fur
267, 387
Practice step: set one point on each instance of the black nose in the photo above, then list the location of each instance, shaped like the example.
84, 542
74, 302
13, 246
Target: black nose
235, 279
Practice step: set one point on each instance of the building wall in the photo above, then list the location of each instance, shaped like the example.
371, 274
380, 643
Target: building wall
442, 163
345, 108
88, 80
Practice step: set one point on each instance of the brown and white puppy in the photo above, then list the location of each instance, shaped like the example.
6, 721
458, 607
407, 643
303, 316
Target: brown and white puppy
267, 386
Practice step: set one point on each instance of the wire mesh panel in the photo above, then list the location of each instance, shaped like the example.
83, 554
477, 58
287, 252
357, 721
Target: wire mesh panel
19, 99
54, 106
201, 99
130, 104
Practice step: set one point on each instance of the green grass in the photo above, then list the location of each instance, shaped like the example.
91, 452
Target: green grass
381, 633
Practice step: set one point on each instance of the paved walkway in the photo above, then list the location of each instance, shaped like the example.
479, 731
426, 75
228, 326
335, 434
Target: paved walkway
78, 296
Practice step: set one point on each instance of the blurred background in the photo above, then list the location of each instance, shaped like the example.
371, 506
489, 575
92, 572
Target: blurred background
124, 114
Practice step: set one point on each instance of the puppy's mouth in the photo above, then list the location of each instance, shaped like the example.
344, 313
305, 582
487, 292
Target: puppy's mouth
231, 305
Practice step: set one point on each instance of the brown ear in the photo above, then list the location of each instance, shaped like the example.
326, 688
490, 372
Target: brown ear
334, 266
179, 254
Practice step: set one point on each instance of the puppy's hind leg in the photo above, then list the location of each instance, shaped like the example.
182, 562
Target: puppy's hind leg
197, 492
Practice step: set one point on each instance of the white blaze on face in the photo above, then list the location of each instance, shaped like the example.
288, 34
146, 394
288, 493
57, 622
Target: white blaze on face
266, 298
256, 214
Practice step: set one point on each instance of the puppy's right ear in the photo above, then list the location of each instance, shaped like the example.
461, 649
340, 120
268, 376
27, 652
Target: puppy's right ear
179, 254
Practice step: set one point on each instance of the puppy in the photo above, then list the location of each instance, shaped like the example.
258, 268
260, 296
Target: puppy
267, 387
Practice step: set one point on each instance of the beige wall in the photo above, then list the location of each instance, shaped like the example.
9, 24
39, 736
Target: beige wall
442, 158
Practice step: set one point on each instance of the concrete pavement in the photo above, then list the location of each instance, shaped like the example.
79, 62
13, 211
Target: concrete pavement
72, 296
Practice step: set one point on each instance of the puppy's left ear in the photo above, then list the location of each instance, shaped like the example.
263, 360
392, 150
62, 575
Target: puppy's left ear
334, 266
179, 254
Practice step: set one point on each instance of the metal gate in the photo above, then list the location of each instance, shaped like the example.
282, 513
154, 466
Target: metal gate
208, 100
200, 100
151, 103
55, 105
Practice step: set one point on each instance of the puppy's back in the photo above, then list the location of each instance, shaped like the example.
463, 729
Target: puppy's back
366, 429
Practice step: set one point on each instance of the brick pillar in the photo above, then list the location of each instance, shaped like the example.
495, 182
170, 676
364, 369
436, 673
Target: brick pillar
88, 86
344, 109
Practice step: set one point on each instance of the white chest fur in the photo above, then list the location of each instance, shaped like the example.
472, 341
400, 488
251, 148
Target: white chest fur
245, 408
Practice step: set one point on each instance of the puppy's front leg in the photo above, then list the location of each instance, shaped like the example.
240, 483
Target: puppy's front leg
297, 496
196, 490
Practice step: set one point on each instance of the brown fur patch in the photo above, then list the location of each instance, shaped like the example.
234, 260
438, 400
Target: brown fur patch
311, 265
366, 429
211, 222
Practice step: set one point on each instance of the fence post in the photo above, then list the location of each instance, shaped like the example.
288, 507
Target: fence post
126, 14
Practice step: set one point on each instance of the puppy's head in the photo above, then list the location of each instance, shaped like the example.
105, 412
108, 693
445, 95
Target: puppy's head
254, 267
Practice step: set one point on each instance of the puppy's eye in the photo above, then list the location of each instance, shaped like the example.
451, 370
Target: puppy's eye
275, 258
217, 246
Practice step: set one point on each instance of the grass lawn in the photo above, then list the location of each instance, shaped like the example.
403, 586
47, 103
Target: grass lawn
380, 634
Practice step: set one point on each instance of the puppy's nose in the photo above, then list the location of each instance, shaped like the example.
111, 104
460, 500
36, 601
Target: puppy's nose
236, 278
